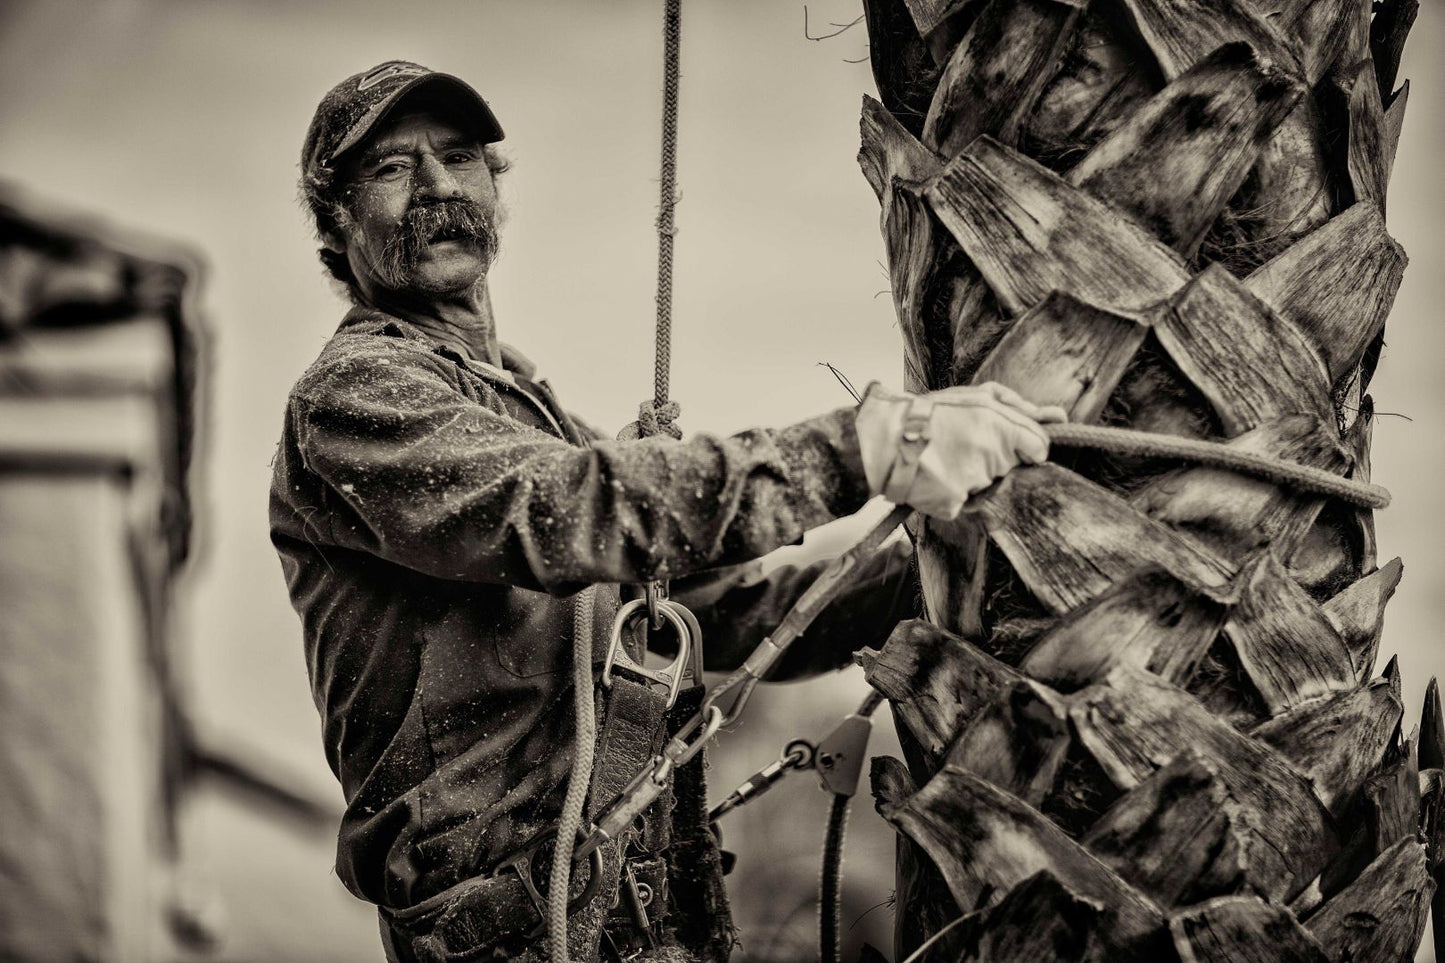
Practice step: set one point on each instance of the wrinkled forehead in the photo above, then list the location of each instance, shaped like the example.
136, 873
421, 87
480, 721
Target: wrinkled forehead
425, 114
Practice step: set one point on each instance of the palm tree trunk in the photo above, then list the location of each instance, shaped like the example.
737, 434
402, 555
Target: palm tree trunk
1141, 719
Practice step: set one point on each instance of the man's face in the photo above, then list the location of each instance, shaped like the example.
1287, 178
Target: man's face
419, 211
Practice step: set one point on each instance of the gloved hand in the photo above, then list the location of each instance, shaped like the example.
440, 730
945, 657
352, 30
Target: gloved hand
930, 452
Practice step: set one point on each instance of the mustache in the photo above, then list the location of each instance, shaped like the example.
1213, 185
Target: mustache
456, 219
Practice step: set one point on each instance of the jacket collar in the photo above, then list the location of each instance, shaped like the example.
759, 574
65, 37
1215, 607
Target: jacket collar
362, 317
367, 320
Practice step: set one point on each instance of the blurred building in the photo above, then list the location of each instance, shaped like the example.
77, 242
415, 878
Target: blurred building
98, 376
101, 365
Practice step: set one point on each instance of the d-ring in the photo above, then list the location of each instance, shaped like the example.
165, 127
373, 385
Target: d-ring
671, 675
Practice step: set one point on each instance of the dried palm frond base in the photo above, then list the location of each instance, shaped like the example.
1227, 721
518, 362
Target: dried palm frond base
1141, 720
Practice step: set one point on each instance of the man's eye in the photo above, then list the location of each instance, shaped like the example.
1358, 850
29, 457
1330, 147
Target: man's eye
389, 171
460, 157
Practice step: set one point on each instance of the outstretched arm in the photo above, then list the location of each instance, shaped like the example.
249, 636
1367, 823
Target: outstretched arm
416, 471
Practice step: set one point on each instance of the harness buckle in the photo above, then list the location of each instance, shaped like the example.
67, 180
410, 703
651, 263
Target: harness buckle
670, 676
524, 862
840, 755
638, 897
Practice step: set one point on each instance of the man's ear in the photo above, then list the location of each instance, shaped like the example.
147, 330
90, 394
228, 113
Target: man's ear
328, 227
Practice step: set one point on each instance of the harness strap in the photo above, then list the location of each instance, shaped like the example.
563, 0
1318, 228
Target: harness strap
501, 912
702, 917
632, 734
455, 923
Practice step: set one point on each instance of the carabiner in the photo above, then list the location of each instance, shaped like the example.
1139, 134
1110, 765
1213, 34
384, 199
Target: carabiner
693, 672
671, 675
796, 755
648, 784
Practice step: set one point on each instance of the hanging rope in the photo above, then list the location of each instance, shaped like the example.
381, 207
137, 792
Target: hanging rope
579, 780
657, 417
672, 56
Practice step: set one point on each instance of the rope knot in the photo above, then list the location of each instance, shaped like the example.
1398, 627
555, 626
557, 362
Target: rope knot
653, 419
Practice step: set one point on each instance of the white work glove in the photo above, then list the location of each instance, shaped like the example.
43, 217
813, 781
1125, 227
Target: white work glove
930, 452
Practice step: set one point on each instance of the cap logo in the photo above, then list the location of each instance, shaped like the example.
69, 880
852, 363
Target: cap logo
386, 72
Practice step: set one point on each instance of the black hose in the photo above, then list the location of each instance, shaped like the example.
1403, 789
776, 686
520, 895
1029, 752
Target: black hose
830, 884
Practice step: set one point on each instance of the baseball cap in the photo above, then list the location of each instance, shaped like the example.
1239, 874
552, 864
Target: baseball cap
352, 108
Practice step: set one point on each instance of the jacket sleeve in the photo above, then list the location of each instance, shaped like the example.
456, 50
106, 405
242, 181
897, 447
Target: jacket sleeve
418, 473
739, 606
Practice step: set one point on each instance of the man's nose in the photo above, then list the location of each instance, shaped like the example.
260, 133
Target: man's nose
434, 181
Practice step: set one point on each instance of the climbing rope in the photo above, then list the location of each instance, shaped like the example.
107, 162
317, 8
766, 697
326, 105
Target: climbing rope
666, 231
1148, 444
656, 418
724, 703
579, 779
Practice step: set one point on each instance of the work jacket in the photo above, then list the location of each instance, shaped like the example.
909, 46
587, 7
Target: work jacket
433, 513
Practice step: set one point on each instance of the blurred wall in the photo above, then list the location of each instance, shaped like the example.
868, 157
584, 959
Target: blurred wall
186, 118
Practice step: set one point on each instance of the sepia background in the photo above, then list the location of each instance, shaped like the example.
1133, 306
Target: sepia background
184, 120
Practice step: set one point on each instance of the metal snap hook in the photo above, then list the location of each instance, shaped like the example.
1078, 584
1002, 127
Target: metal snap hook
671, 675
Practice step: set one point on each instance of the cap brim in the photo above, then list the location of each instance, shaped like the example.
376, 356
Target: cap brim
486, 121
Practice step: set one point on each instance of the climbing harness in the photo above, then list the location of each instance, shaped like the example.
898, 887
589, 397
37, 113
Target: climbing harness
724, 703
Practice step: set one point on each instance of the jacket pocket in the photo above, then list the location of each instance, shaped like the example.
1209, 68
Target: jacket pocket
533, 635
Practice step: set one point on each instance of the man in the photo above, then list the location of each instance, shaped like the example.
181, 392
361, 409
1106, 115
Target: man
435, 508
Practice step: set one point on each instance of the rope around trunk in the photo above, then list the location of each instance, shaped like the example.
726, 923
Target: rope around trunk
579, 780
1126, 441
